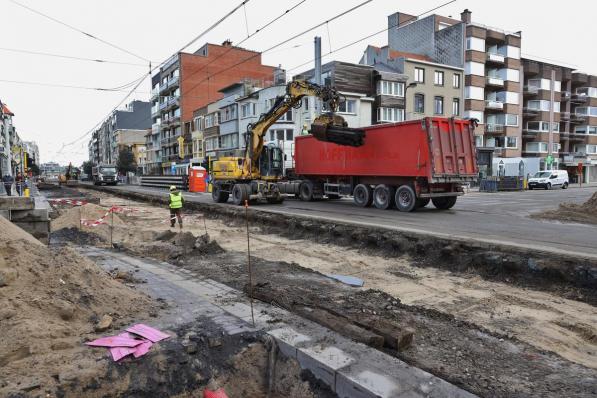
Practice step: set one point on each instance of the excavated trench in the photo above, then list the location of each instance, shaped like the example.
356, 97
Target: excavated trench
243, 365
572, 277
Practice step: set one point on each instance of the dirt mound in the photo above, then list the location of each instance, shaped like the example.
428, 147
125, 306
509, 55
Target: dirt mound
50, 302
72, 217
76, 237
570, 212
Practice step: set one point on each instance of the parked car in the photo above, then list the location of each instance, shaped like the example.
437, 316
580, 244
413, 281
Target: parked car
549, 179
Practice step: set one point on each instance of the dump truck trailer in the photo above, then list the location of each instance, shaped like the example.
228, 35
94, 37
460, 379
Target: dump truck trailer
404, 165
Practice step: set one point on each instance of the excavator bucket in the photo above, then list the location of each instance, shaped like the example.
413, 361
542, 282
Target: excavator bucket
333, 128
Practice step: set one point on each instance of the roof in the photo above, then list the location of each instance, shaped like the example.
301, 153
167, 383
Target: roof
402, 54
6, 110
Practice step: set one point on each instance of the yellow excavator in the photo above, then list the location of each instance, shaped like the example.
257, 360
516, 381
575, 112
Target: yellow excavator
254, 176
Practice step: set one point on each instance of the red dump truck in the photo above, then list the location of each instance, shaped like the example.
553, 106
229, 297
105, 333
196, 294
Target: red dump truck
404, 165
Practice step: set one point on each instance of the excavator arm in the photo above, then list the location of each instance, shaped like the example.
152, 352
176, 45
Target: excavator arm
326, 127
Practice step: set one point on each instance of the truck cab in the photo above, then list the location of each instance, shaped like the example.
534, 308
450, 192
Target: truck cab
104, 174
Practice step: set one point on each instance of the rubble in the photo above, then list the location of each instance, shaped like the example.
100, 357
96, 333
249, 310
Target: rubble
585, 213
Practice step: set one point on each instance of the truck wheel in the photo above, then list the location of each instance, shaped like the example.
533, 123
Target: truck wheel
383, 196
565, 186
406, 199
218, 195
422, 202
363, 195
240, 193
444, 203
306, 191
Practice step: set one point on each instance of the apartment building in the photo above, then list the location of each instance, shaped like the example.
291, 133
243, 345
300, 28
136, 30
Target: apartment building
355, 84
414, 84
546, 112
125, 127
7, 130
490, 58
581, 145
187, 82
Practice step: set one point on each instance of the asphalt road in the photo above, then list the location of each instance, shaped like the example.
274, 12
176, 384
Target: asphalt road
490, 217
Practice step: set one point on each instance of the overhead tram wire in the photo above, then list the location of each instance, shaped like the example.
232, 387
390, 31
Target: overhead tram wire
278, 44
245, 39
258, 54
79, 30
151, 69
103, 61
374, 34
57, 85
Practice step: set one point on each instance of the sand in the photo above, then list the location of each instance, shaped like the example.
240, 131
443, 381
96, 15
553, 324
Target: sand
50, 302
72, 217
585, 213
543, 320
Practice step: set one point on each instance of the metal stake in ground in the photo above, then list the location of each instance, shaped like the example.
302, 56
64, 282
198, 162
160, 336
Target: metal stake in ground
80, 219
111, 226
204, 224
249, 262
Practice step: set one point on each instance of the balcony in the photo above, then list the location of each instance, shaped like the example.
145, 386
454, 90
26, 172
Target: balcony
564, 116
579, 98
171, 103
494, 129
155, 93
574, 158
494, 105
496, 58
163, 105
155, 111
578, 118
168, 141
173, 83
577, 137
155, 129
530, 90
494, 81
528, 133
565, 96
529, 112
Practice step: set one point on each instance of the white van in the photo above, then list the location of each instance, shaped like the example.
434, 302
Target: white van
549, 179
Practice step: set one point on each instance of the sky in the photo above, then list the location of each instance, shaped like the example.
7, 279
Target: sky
154, 30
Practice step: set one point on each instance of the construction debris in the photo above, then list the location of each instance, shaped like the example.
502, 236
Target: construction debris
137, 340
585, 213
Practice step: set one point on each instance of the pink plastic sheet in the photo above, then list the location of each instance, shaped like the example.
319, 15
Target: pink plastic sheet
142, 348
115, 341
120, 352
148, 332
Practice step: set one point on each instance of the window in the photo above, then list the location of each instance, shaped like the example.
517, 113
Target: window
438, 105
287, 117
508, 97
503, 119
247, 110
540, 105
390, 114
419, 75
395, 89
513, 52
456, 80
478, 140
556, 147
456, 106
419, 103
348, 106
475, 43
474, 68
306, 103
326, 78
278, 135
229, 141
542, 127
512, 142
438, 78
289, 135
588, 91
540, 147
476, 93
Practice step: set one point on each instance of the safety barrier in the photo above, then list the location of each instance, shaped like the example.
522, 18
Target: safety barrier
180, 182
495, 184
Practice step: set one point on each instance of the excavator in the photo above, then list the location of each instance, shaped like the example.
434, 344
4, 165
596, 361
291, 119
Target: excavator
254, 176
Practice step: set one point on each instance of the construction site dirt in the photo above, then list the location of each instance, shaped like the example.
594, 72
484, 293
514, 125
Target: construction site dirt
482, 321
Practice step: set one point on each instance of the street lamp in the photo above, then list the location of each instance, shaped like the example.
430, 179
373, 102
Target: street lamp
413, 84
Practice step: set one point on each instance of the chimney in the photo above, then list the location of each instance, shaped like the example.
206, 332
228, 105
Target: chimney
227, 43
465, 16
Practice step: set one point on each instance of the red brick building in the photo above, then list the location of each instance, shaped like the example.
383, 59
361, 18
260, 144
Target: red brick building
187, 82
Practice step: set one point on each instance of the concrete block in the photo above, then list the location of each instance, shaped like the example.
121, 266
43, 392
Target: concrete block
16, 203
26, 215
288, 339
323, 362
366, 384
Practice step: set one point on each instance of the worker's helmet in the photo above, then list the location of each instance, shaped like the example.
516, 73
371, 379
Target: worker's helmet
172, 188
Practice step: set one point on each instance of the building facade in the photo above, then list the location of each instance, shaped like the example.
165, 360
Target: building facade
187, 82
126, 127
414, 84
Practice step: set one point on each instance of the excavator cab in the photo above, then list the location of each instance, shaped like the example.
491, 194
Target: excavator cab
271, 162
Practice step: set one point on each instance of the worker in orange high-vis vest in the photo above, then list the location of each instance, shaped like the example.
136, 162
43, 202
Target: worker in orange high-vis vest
176, 203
